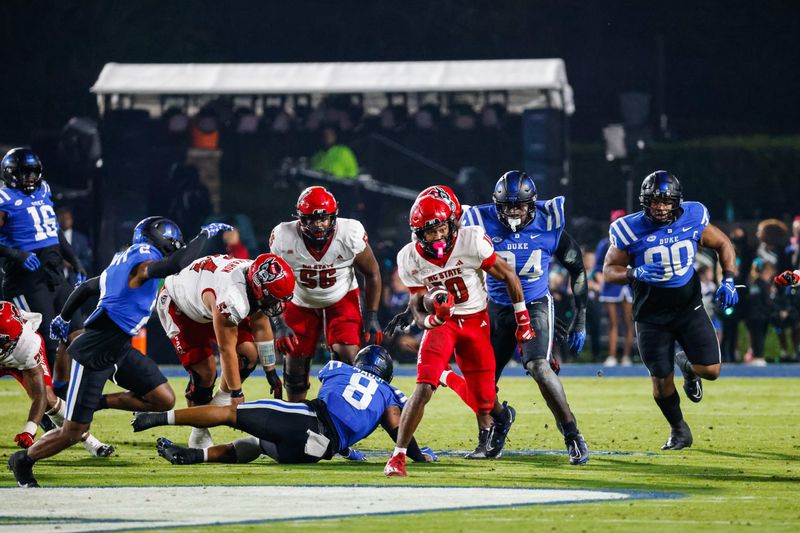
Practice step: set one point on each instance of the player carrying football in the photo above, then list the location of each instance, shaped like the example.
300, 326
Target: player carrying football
527, 233
325, 252
442, 255
654, 250
224, 301
352, 401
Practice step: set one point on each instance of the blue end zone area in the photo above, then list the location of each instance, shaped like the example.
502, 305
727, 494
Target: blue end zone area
588, 370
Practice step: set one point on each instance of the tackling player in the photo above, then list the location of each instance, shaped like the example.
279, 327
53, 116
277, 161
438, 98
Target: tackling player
224, 301
352, 401
654, 250
35, 248
127, 290
22, 356
442, 255
528, 233
324, 252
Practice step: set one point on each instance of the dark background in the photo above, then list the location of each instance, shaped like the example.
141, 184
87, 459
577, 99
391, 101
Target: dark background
731, 67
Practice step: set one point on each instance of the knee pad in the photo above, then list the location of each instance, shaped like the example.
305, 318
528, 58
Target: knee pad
297, 383
538, 369
244, 371
247, 449
197, 394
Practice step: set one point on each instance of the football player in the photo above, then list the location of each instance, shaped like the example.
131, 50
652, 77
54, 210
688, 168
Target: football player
528, 233
35, 248
22, 357
224, 301
352, 401
127, 292
654, 250
325, 252
442, 255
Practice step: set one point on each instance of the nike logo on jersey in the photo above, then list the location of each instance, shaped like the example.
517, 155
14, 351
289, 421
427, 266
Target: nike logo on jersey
534, 236
686, 229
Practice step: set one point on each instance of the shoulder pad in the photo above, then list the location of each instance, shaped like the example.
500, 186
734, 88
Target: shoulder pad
622, 232
554, 210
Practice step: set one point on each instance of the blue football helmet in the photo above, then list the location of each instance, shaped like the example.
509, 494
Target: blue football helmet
512, 190
661, 185
22, 170
160, 232
375, 360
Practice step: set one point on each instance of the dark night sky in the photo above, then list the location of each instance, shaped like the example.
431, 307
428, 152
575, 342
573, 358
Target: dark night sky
731, 66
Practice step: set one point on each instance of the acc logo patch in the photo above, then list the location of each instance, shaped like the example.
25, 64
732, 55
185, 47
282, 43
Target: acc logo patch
651, 238
497, 239
18, 202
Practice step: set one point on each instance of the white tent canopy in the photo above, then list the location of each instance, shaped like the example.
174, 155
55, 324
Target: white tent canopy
523, 79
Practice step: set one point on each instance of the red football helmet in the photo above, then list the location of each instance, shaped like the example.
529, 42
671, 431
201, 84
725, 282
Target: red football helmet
427, 213
10, 327
317, 203
270, 281
443, 192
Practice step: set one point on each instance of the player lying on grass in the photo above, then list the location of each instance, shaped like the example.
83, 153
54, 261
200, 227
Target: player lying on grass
351, 403
22, 356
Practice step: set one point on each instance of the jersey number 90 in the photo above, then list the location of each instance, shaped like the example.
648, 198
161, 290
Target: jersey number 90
670, 258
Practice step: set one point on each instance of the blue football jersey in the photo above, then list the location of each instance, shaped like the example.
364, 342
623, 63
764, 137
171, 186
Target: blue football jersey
673, 245
128, 308
528, 251
356, 400
31, 221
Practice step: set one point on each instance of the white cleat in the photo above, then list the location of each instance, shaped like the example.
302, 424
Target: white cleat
200, 438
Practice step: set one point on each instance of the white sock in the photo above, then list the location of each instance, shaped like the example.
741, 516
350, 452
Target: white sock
205, 455
90, 442
58, 412
398, 451
221, 398
171, 417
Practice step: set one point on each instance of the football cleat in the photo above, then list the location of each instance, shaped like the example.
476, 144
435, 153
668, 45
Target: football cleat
484, 449
502, 425
178, 455
200, 438
145, 420
97, 448
681, 437
396, 466
692, 384
22, 468
578, 450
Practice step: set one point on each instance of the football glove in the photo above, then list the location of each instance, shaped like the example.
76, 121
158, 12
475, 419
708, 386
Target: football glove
524, 332
214, 228
24, 440
649, 272
59, 329
726, 294
430, 455
372, 328
351, 454
80, 276
31, 262
788, 279
275, 384
285, 339
400, 321
577, 332
444, 310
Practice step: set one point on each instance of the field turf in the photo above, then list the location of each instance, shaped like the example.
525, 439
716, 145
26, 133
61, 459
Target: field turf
743, 472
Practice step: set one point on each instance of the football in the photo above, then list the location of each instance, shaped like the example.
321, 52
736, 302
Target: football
436, 294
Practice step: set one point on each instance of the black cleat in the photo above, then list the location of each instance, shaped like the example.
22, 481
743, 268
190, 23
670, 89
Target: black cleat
502, 425
178, 455
105, 450
680, 438
578, 450
484, 449
692, 384
22, 468
142, 421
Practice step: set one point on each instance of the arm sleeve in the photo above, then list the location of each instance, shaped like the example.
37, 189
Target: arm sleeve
12, 253
68, 252
569, 253
178, 260
83, 292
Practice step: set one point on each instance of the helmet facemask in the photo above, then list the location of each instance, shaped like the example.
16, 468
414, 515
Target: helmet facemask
439, 247
515, 215
316, 233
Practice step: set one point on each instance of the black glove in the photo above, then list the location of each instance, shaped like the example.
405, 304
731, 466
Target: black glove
275, 384
399, 321
372, 328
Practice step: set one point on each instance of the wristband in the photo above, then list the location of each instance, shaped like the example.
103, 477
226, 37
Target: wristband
432, 321
727, 274
237, 393
30, 427
266, 352
519, 307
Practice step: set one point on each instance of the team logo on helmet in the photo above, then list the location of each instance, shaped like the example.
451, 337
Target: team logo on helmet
11, 322
269, 271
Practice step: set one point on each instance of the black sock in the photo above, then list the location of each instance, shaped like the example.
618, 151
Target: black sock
103, 403
671, 407
570, 430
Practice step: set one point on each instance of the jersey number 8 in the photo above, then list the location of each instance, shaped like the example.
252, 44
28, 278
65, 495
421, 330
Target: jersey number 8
367, 391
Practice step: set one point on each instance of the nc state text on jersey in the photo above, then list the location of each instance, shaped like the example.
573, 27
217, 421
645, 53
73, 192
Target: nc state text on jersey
444, 275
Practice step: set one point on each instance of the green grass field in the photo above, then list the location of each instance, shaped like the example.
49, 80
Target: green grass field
742, 472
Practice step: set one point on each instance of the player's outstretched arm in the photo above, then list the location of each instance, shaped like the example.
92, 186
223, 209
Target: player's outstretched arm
715, 239
367, 265
33, 379
227, 334
261, 329
59, 327
390, 422
502, 271
570, 256
615, 267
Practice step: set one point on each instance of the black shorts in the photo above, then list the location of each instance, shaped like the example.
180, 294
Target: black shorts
693, 331
504, 327
282, 428
102, 354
